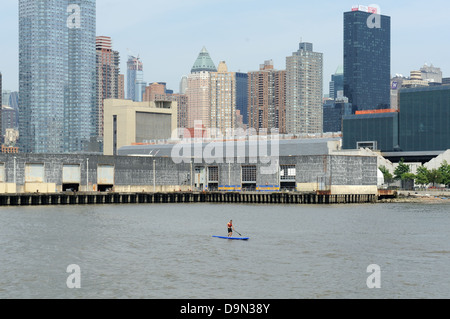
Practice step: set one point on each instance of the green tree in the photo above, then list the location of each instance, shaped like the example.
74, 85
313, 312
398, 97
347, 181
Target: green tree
401, 169
422, 176
388, 178
408, 181
408, 176
445, 173
434, 176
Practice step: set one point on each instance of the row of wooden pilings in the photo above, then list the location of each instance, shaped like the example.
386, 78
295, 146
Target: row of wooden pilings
180, 197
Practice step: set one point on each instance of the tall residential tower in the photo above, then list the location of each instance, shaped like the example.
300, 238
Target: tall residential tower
108, 62
266, 98
198, 89
304, 91
222, 113
57, 75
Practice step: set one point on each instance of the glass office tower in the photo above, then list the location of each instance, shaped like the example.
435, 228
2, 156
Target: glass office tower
367, 60
242, 95
57, 75
135, 79
337, 83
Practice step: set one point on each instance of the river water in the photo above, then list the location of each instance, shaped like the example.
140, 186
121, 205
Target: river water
167, 251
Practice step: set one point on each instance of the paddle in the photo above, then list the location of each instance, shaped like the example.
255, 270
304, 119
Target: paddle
238, 232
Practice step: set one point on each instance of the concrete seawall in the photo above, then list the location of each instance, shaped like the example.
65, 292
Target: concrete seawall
180, 197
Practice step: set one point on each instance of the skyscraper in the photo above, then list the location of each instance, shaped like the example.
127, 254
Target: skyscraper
198, 88
431, 74
337, 83
121, 94
367, 58
13, 101
57, 75
222, 113
266, 98
183, 84
304, 91
135, 79
107, 76
242, 95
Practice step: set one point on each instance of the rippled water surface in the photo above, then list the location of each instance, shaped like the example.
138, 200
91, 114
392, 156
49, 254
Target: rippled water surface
166, 251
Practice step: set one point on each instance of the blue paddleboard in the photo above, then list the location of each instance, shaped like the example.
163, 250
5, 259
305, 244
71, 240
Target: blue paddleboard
233, 238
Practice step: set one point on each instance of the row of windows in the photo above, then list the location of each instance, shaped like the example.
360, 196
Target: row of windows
249, 173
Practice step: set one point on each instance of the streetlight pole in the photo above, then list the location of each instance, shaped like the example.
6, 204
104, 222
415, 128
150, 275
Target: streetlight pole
192, 177
87, 174
15, 171
154, 176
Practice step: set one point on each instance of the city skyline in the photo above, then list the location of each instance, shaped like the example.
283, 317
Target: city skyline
243, 46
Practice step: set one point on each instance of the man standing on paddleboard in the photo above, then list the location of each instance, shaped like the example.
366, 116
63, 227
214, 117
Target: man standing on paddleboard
230, 228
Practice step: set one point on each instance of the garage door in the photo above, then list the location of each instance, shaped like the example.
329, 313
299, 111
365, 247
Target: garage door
34, 173
71, 174
105, 175
2, 173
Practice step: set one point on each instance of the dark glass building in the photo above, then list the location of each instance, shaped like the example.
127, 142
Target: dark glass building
421, 125
242, 95
337, 83
367, 60
378, 131
424, 121
333, 112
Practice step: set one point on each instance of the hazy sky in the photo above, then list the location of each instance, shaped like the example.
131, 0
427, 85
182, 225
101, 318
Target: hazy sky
169, 34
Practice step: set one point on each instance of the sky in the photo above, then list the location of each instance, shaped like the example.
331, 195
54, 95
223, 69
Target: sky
168, 35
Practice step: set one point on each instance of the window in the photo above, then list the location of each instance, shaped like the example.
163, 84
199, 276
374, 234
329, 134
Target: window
287, 172
249, 174
213, 174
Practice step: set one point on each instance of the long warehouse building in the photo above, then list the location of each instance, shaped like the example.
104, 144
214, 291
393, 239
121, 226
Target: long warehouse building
311, 166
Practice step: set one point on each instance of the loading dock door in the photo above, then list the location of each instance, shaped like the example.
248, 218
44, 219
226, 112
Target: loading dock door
213, 178
200, 178
71, 177
34, 173
2, 173
105, 177
248, 177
